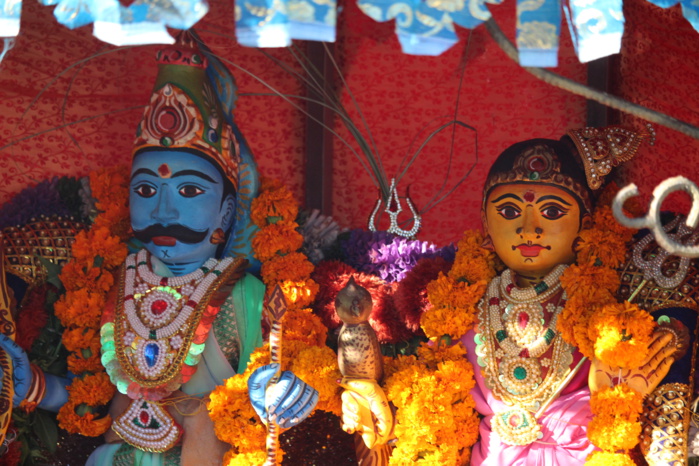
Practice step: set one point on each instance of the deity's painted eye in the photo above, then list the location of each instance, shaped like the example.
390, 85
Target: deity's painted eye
190, 190
509, 212
144, 190
553, 212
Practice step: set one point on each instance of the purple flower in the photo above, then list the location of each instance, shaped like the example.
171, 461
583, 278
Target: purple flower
42, 199
388, 256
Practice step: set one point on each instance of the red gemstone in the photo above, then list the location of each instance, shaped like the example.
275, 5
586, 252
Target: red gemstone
515, 420
510, 287
523, 320
494, 301
144, 417
529, 196
158, 307
524, 353
163, 281
537, 164
191, 303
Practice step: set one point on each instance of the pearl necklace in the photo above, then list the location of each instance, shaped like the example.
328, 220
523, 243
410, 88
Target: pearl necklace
511, 355
536, 293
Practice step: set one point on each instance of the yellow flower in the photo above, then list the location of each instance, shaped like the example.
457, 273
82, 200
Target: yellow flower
622, 334
278, 238
605, 458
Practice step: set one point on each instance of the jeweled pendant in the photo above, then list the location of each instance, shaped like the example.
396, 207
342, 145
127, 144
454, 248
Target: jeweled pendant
516, 426
150, 352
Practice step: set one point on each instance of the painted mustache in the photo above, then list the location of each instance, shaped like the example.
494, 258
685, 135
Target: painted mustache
179, 232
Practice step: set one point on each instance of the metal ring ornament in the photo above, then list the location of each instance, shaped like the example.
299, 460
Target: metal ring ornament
652, 218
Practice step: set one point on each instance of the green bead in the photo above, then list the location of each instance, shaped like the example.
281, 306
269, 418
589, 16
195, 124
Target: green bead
520, 373
500, 335
166, 141
123, 386
192, 359
108, 346
541, 287
107, 357
549, 335
663, 320
196, 349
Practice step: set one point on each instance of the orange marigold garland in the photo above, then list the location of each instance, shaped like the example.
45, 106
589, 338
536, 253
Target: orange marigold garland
87, 278
436, 421
618, 334
275, 245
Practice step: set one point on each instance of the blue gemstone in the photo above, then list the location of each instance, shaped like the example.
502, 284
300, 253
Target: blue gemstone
151, 353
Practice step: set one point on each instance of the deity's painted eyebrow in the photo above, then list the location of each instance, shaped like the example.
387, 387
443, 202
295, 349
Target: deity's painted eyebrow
143, 171
505, 196
194, 173
552, 198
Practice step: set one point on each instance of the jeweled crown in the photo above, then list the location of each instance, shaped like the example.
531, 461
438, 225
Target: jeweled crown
184, 112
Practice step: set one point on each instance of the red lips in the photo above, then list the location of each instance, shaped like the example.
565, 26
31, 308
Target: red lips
164, 241
530, 250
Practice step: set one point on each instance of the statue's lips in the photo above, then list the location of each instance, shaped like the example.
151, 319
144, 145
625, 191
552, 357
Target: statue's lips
530, 250
164, 241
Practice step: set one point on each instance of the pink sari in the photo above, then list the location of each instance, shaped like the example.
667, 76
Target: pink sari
563, 424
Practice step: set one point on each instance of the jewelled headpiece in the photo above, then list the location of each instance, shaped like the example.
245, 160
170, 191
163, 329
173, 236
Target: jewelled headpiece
184, 112
601, 149
577, 163
541, 161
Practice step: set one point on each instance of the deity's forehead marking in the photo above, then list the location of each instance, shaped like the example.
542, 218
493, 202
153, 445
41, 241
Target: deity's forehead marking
164, 171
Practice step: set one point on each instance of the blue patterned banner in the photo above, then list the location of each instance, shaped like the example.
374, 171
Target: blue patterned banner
538, 28
9, 17
426, 27
596, 27
274, 23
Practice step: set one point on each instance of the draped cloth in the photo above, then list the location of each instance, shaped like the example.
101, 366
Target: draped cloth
563, 424
213, 368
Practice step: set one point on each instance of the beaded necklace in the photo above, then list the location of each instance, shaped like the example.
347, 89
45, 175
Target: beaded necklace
154, 342
511, 354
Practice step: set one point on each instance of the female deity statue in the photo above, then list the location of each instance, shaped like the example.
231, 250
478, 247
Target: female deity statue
532, 388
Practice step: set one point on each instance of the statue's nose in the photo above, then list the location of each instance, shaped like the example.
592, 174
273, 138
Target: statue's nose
165, 210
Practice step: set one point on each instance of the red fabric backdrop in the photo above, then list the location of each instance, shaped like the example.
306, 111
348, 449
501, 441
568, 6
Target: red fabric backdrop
401, 97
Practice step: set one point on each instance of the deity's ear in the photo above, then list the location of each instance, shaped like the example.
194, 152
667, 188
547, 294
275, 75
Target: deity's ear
586, 222
487, 243
228, 212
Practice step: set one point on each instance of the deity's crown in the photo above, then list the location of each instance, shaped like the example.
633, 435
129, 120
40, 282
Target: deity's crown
577, 163
184, 113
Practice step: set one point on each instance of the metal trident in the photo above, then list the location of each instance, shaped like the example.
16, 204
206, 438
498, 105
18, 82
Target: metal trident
393, 214
652, 218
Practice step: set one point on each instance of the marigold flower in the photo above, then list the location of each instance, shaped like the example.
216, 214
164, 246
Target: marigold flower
278, 238
614, 433
623, 334
606, 458
294, 266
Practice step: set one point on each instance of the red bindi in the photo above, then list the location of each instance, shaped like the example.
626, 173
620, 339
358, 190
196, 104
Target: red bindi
529, 196
164, 171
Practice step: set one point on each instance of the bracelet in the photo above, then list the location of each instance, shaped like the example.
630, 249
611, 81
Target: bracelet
37, 389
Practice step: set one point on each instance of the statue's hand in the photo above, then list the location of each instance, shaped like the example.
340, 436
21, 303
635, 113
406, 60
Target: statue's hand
287, 402
643, 379
22, 373
365, 409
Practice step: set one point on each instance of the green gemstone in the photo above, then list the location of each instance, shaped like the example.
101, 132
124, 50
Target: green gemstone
131, 267
534, 176
663, 320
541, 287
166, 141
142, 263
216, 272
520, 373
501, 335
204, 269
548, 336
152, 335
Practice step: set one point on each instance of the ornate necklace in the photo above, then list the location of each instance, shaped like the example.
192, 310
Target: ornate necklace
155, 340
512, 340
